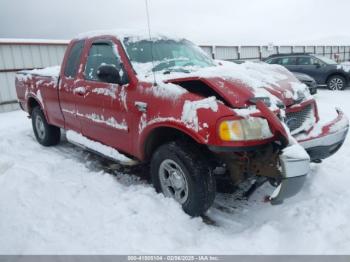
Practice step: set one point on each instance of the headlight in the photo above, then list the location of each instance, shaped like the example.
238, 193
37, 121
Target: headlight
252, 128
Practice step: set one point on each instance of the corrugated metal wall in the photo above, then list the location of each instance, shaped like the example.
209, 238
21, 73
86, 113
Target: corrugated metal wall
261, 52
18, 55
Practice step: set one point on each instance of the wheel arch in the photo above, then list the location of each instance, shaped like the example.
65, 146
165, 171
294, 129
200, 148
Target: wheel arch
160, 135
32, 103
337, 74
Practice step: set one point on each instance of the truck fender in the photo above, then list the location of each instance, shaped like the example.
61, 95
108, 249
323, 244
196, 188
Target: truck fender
174, 128
38, 101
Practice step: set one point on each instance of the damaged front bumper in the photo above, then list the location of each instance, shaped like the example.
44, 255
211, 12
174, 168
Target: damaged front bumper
322, 142
328, 140
294, 170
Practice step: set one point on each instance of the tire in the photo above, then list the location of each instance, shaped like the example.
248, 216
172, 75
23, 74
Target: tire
45, 134
336, 82
192, 175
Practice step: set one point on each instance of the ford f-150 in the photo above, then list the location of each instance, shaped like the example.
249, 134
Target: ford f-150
164, 101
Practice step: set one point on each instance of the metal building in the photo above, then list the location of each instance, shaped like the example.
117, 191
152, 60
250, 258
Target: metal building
16, 55
19, 54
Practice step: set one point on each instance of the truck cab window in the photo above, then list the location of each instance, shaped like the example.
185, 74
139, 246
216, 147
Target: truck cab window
100, 54
73, 60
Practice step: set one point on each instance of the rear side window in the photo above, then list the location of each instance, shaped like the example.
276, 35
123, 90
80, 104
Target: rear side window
74, 59
308, 61
283, 60
288, 61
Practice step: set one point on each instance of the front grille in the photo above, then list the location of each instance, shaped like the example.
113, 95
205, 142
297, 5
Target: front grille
294, 120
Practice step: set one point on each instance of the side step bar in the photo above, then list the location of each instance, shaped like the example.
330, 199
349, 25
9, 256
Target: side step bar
98, 148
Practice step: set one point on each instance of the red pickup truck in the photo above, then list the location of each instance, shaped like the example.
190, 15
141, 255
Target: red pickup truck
161, 100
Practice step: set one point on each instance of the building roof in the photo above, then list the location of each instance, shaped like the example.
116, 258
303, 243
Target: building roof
33, 41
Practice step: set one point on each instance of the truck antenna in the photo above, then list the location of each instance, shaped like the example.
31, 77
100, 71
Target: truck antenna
150, 39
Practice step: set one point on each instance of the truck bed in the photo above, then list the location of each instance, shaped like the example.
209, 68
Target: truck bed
40, 86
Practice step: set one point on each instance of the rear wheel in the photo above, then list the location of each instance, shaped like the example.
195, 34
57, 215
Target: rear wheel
46, 134
336, 82
180, 171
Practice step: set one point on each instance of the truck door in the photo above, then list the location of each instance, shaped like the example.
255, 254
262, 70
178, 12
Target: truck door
102, 106
67, 85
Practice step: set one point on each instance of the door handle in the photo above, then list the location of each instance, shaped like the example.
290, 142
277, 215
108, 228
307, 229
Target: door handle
81, 91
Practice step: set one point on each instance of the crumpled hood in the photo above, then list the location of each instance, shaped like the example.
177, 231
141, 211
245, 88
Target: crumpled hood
237, 84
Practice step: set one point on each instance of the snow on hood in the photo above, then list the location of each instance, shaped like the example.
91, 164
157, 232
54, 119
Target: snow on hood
248, 79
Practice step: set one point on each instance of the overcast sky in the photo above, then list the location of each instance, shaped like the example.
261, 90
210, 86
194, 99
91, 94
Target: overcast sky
202, 21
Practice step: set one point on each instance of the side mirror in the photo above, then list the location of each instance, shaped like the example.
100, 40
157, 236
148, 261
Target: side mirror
109, 74
317, 65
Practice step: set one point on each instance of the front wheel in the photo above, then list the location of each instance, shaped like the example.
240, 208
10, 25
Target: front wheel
180, 172
46, 134
336, 83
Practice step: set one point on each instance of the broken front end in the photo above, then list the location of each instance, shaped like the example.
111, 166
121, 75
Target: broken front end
299, 138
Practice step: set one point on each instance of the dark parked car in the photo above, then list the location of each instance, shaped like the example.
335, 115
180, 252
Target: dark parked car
324, 70
307, 80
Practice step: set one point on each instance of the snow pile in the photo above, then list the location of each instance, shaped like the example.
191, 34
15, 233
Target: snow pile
79, 139
189, 112
61, 200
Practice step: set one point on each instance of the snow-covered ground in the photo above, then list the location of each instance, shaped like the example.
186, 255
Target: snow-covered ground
62, 200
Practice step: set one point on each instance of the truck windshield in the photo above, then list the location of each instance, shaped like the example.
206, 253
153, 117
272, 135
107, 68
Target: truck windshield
167, 55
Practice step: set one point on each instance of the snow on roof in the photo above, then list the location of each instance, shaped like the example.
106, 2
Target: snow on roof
135, 34
31, 41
